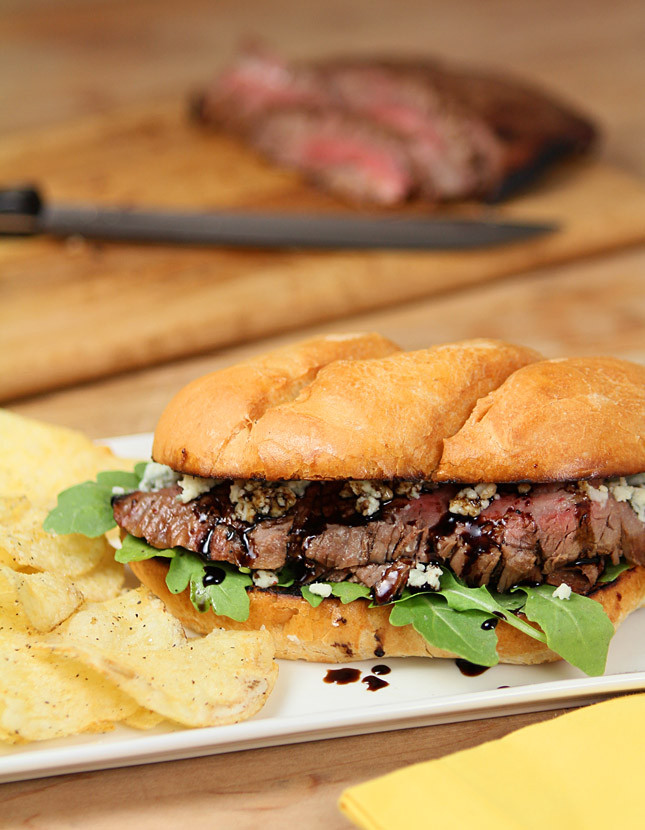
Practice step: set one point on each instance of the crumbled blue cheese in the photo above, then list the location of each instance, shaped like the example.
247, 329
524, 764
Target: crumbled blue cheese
470, 501
157, 477
600, 493
630, 489
425, 576
321, 589
264, 579
194, 486
563, 591
266, 498
118, 491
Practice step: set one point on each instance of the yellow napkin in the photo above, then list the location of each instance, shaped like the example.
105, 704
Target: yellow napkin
585, 770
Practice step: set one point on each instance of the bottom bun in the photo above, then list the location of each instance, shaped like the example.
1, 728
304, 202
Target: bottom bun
337, 633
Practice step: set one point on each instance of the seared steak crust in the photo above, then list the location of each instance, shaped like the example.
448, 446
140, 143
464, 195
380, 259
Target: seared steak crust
553, 534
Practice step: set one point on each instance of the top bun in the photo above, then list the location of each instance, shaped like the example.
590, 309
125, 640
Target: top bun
556, 420
351, 406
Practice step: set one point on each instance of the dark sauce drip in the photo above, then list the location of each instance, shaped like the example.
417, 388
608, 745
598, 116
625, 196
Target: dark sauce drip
470, 669
213, 576
489, 625
392, 581
478, 537
499, 615
374, 683
381, 669
342, 676
593, 560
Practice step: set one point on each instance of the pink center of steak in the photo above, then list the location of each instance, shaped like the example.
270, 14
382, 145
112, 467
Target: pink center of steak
554, 534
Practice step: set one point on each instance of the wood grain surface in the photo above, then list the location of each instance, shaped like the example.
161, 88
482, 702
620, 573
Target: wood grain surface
96, 309
77, 58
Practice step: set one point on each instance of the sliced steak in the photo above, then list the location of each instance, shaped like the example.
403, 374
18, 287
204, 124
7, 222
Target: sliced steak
357, 127
553, 534
343, 153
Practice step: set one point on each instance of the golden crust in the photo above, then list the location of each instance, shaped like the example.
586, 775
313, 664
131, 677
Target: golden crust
205, 429
332, 408
556, 420
336, 633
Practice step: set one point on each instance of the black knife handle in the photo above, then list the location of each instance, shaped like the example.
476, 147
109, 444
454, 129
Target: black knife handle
20, 210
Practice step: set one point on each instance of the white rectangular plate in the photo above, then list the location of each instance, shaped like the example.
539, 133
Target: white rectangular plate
303, 708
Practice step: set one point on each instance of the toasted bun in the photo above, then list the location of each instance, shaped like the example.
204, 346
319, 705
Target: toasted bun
330, 408
556, 420
336, 633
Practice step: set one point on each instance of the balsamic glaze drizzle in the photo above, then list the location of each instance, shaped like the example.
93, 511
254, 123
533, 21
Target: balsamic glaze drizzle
470, 669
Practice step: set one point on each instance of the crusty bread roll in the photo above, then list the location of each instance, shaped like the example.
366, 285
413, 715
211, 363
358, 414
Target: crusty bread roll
206, 427
332, 408
555, 420
337, 633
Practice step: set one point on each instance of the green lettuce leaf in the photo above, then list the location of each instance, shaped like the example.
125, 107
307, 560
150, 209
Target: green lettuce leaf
462, 598
229, 598
578, 629
184, 569
612, 572
286, 577
344, 591
136, 550
349, 591
313, 599
187, 570
460, 632
87, 508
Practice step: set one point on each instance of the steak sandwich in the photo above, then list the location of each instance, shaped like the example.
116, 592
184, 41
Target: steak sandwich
359, 501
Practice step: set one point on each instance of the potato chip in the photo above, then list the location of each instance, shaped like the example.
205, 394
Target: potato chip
103, 582
15, 627
221, 678
25, 546
143, 719
39, 460
47, 599
44, 695
137, 620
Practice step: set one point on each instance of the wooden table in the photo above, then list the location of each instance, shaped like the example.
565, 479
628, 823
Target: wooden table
73, 58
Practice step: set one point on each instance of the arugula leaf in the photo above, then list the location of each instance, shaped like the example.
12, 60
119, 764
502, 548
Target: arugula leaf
462, 598
578, 629
136, 550
286, 576
511, 602
460, 632
184, 569
87, 508
139, 471
229, 598
344, 591
349, 591
313, 599
612, 572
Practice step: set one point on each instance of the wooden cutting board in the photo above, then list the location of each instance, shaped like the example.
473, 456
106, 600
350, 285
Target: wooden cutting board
75, 310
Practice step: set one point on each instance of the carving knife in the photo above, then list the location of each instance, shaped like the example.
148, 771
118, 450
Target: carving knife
23, 211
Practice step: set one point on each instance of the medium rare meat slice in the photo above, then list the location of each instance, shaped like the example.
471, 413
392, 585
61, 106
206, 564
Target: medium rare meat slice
359, 124
555, 533
454, 152
345, 154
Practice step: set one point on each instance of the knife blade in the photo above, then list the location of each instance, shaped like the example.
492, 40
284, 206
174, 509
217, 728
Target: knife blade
23, 211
